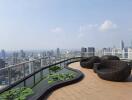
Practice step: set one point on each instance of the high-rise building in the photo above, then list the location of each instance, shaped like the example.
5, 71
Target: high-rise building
2, 73
58, 52
22, 54
91, 51
117, 52
125, 53
129, 53
122, 45
50, 53
3, 54
43, 54
107, 51
83, 49
2, 63
15, 58
83, 52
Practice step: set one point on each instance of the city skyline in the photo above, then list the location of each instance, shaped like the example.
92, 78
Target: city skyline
122, 45
51, 24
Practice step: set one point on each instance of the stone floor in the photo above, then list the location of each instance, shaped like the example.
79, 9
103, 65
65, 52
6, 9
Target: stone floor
93, 88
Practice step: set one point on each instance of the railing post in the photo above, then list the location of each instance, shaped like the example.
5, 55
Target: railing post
24, 71
41, 73
34, 79
48, 60
64, 63
33, 69
30, 67
41, 62
9, 76
44, 61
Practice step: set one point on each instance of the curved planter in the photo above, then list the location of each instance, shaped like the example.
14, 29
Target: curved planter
44, 94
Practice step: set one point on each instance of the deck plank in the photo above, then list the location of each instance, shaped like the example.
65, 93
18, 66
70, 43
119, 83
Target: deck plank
93, 88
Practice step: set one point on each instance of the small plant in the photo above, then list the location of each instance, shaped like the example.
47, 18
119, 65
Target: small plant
55, 69
16, 94
59, 77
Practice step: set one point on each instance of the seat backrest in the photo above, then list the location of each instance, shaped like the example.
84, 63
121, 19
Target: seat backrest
113, 64
95, 59
85, 59
109, 57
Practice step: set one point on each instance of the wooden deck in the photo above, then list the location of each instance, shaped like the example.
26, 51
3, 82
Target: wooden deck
93, 88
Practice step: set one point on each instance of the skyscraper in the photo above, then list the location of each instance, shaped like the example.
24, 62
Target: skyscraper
125, 53
2, 63
122, 45
3, 54
83, 52
43, 54
83, 49
22, 54
58, 52
15, 58
91, 51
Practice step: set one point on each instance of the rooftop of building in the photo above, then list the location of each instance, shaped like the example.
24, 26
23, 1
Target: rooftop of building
93, 88
90, 87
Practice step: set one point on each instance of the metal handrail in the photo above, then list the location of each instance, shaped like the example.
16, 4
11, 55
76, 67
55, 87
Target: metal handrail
32, 74
25, 62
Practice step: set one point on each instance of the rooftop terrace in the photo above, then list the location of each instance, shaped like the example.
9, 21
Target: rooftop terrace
93, 88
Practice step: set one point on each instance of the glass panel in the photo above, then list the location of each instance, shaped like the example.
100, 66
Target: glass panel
3, 78
29, 82
16, 73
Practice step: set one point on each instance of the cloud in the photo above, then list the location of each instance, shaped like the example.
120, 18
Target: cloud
57, 30
86, 28
107, 25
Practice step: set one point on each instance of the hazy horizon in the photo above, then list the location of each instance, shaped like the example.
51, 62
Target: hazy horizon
69, 24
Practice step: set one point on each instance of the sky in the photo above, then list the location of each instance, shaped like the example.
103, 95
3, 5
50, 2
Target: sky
67, 24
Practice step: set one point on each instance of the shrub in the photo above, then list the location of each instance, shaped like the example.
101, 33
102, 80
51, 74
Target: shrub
59, 77
55, 68
16, 94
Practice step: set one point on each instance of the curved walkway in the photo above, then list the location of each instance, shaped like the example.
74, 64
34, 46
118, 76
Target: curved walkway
93, 88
